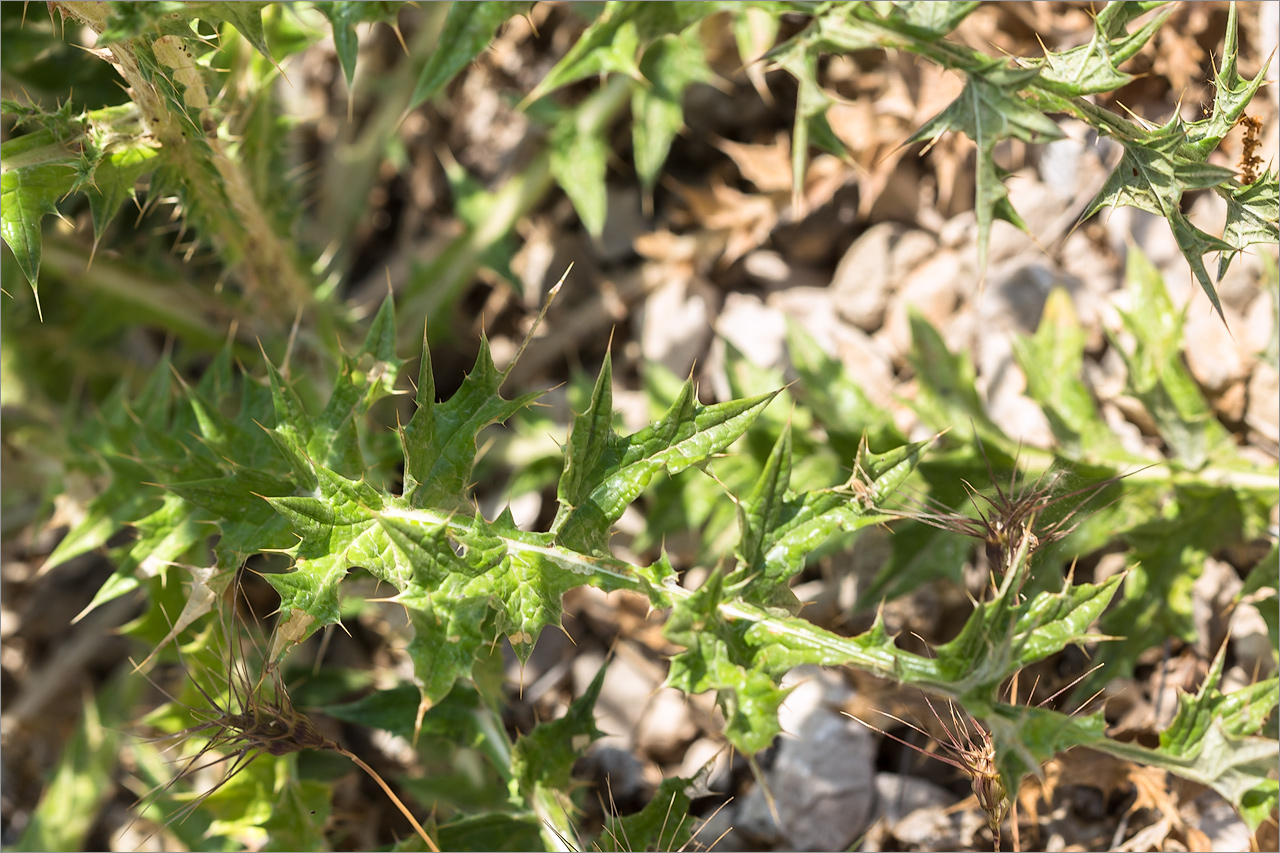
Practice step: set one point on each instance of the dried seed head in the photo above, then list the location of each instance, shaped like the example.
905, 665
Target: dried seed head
988, 789
971, 751
259, 718
1014, 516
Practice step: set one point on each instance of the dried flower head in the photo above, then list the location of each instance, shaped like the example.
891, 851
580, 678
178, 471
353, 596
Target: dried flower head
256, 717
1014, 516
972, 752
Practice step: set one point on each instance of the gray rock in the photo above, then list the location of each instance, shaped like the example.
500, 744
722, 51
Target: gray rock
931, 289
1215, 359
926, 828
721, 832
620, 772
869, 271
900, 795
823, 773
624, 220
666, 727
767, 267
1263, 417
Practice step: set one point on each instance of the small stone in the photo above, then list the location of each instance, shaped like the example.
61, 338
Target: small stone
676, 325
1212, 355
925, 826
900, 795
666, 727
1219, 821
1259, 324
767, 267
616, 770
1263, 416
1061, 160
869, 271
823, 773
1250, 640
930, 289
624, 221
754, 329
720, 832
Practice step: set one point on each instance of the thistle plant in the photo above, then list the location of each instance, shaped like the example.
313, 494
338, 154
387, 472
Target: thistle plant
256, 718
1014, 518
275, 431
970, 751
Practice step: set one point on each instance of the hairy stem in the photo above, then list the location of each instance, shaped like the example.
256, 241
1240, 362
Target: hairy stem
219, 193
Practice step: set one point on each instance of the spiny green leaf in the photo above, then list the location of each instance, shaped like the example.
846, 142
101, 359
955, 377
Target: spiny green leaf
1053, 361
343, 17
614, 40
1232, 94
27, 195
468, 29
237, 495
988, 110
1153, 173
308, 598
131, 19
440, 439
948, 395
590, 438
761, 510
298, 819
689, 434
579, 155
292, 431
496, 831
663, 824
1156, 372
1050, 622
715, 658
125, 500
365, 378
1213, 740
544, 758
455, 719
1003, 635
929, 20
780, 532
811, 125
451, 570
164, 536
447, 637
1253, 216
1026, 737
334, 518
1094, 67
670, 66
1168, 556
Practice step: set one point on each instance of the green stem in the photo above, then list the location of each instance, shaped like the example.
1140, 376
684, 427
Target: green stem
351, 172
440, 285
